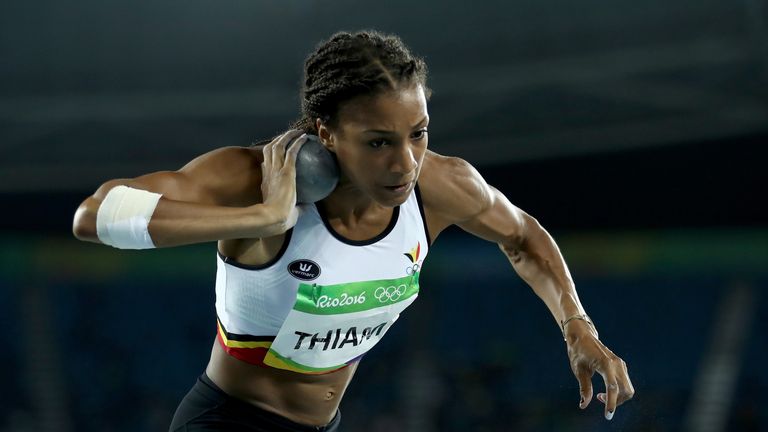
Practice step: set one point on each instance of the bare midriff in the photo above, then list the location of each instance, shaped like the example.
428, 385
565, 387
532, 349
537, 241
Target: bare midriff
306, 399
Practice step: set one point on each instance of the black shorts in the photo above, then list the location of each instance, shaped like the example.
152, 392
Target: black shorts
207, 408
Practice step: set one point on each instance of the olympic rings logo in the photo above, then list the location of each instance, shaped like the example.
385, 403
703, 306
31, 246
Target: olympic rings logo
412, 269
390, 293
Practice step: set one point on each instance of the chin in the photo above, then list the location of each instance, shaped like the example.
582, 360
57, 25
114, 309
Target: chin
391, 199
391, 203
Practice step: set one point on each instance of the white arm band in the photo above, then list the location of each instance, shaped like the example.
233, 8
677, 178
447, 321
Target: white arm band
123, 218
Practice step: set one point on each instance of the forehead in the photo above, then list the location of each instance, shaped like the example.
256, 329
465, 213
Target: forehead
395, 109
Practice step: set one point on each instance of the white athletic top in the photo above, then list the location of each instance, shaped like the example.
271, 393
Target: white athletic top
321, 284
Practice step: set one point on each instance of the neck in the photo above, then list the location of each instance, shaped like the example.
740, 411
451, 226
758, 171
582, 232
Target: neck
350, 205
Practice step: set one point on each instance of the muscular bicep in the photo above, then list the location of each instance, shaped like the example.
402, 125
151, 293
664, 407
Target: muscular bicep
500, 221
228, 176
174, 185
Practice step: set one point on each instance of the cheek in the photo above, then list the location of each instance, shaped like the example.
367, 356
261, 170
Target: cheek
354, 164
420, 152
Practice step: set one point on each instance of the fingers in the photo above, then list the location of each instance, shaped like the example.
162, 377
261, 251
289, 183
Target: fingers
629, 389
584, 376
293, 150
589, 356
266, 164
274, 152
626, 390
618, 387
282, 144
610, 396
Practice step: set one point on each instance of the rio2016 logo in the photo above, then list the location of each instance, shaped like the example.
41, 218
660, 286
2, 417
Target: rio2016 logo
325, 301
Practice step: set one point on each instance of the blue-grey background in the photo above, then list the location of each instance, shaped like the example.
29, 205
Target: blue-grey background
634, 131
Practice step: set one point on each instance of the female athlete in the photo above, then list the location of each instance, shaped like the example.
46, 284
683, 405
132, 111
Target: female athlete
303, 291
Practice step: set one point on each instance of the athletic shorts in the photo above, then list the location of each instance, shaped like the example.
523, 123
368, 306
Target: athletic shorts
207, 408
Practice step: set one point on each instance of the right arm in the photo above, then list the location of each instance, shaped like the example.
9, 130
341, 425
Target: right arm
229, 193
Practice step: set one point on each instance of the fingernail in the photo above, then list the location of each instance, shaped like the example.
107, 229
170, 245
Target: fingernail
609, 415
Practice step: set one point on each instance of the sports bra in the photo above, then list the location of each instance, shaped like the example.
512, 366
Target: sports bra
323, 300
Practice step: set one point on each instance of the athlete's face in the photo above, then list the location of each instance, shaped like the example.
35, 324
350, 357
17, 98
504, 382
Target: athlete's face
380, 142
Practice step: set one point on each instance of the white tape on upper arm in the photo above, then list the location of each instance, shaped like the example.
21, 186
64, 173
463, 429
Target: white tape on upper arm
123, 218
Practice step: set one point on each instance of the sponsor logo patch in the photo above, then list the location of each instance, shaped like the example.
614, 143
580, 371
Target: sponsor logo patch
304, 269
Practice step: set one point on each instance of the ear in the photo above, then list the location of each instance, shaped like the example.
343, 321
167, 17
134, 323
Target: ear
326, 136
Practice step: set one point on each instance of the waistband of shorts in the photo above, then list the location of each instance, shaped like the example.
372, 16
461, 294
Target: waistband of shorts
209, 389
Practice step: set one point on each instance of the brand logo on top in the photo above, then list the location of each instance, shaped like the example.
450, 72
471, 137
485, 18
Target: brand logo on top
304, 269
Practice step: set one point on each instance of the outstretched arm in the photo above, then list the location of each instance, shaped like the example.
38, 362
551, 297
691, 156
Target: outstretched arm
537, 259
478, 208
229, 193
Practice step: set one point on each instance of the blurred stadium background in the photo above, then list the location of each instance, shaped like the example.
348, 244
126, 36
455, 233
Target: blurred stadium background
634, 131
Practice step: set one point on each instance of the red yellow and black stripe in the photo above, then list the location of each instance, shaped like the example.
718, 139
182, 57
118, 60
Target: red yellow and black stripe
253, 349
248, 348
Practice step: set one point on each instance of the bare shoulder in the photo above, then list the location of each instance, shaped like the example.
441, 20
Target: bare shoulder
452, 189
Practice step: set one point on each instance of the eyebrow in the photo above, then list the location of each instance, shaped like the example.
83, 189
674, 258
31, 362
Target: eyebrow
390, 132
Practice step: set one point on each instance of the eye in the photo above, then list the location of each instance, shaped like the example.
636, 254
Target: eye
379, 142
419, 134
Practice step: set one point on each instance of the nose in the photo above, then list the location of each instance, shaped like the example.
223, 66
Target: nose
403, 160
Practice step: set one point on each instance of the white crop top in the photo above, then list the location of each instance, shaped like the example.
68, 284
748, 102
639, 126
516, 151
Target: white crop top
253, 302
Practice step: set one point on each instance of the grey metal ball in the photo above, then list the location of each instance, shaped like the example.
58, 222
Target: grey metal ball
317, 171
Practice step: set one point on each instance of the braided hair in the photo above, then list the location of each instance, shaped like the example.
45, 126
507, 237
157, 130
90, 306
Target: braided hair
353, 64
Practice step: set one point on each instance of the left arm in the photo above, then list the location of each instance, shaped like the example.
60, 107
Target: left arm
531, 251
478, 208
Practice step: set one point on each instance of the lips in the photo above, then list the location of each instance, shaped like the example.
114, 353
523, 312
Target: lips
399, 187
